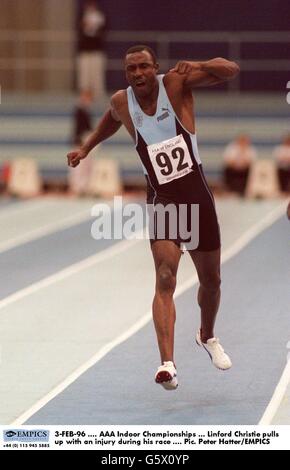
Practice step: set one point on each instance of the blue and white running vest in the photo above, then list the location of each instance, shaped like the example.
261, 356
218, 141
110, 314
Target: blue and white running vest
167, 150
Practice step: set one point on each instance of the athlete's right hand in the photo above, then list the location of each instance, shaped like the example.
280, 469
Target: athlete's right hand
74, 157
185, 66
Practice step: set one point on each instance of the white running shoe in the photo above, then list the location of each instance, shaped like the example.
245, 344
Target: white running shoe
215, 351
166, 376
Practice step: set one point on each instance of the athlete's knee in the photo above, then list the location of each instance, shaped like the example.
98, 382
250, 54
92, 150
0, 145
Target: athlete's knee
165, 280
211, 283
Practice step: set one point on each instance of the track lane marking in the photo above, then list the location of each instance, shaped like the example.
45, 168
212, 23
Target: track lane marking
75, 268
237, 246
45, 230
277, 397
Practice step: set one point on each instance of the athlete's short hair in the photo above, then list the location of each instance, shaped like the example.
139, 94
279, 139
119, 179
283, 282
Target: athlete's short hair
141, 48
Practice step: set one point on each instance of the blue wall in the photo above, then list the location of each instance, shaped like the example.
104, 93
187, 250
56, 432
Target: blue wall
198, 15
205, 15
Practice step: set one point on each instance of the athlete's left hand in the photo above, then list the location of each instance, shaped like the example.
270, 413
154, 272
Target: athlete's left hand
184, 66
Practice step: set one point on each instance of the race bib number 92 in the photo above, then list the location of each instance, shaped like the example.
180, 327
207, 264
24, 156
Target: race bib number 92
170, 159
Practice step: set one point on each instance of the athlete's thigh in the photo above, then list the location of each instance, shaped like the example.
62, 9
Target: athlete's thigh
166, 253
207, 263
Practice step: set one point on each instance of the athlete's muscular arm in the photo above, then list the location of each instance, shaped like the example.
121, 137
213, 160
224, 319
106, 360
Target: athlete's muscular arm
220, 68
212, 72
109, 124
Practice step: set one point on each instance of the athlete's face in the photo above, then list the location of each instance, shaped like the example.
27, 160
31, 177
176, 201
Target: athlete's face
141, 72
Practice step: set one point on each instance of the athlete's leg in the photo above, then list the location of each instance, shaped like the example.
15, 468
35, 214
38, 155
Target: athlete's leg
207, 264
166, 257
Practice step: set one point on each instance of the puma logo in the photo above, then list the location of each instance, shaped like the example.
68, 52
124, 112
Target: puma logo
163, 116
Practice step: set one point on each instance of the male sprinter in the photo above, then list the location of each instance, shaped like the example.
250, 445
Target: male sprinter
158, 109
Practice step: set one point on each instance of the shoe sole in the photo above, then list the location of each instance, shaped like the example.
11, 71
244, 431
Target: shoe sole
219, 368
165, 379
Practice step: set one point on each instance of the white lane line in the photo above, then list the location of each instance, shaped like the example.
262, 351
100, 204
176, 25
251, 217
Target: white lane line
82, 369
103, 255
244, 239
229, 253
74, 219
277, 397
45, 230
26, 206
254, 231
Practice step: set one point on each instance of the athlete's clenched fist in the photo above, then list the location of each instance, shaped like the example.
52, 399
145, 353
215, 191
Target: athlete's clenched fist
74, 157
184, 66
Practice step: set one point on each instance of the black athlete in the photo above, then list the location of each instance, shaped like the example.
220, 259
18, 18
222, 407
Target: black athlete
158, 112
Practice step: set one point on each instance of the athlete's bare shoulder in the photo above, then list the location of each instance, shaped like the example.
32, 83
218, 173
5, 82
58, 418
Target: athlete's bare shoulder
120, 111
174, 81
119, 99
181, 98
175, 86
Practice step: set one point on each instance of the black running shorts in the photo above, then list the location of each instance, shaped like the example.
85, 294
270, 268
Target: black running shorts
188, 217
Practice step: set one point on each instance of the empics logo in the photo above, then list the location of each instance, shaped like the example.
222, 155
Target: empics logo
26, 435
10, 433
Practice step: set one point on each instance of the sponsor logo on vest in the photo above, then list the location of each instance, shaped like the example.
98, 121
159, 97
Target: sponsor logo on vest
138, 119
163, 116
